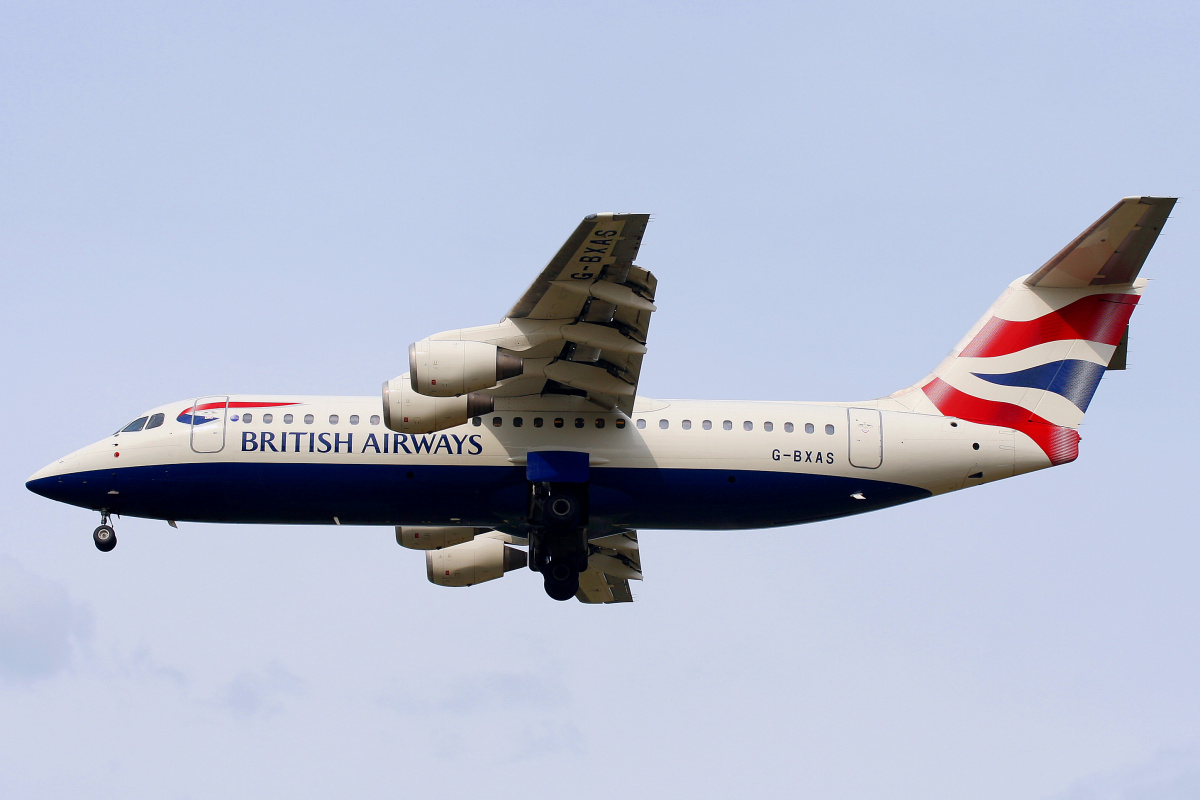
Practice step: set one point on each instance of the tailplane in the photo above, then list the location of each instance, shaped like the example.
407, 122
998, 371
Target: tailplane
1034, 360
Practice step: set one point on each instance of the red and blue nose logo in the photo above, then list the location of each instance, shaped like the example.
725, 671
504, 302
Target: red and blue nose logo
211, 412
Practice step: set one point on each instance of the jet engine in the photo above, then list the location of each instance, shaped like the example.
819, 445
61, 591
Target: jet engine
406, 411
451, 368
481, 559
434, 537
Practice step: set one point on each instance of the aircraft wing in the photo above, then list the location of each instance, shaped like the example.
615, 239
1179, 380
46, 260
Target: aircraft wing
614, 563
583, 323
580, 329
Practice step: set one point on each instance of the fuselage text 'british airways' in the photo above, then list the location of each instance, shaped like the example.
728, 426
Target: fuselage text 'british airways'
395, 443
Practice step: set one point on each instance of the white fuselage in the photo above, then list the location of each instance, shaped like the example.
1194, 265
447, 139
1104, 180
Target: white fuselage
674, 464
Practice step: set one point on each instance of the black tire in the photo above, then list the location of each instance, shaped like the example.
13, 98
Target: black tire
105, 538
562, 589
561, 509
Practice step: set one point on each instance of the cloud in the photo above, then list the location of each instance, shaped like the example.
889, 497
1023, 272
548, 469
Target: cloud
262, 692
486, 692
143, 664
1171, 774
503, 717
40, 625
561, 738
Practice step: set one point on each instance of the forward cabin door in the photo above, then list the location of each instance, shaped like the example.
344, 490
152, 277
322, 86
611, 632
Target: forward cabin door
866, 437
208, 424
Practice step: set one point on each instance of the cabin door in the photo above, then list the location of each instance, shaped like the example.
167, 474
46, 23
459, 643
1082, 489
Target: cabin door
207, 420
866, 437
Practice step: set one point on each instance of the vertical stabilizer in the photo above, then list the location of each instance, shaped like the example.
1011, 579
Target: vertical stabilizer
1034, 360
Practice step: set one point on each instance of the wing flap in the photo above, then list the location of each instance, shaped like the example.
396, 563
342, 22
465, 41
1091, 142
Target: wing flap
613, 564
598, 304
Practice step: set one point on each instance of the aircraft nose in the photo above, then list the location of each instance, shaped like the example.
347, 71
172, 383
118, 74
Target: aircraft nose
47, 481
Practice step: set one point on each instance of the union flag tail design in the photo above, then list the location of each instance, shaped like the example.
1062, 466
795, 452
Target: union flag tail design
1033, 362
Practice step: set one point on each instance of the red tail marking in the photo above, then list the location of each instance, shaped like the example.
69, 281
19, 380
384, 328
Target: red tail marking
1096, 318
1061, 445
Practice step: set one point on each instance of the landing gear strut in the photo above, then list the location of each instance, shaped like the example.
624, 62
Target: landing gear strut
558, 545
104, 536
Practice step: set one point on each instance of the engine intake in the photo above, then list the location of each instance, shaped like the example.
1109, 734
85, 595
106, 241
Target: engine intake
405, 411
451, 368
482, 559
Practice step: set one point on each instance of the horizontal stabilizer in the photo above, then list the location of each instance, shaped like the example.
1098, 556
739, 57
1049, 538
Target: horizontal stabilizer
1111, 251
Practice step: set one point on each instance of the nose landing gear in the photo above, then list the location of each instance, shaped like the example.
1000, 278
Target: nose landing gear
104, 536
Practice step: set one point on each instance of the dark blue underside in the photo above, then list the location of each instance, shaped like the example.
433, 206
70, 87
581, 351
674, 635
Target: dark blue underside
365, 494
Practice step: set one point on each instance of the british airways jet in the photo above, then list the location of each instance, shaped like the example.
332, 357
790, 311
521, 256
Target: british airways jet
524, 443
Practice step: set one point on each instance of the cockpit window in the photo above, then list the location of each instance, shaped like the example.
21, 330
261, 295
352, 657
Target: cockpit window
136, 425
155, 421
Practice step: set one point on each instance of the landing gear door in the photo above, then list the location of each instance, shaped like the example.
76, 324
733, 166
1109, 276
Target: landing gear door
207, 419
866, 438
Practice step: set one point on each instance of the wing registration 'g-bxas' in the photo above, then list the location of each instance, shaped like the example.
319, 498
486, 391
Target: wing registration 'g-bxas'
525, 443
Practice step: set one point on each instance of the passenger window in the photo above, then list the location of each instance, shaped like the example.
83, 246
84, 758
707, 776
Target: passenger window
496, 422
707, 425
599, 422
829, 429
664, 424
808, 428
267, 419
354, 419
768, 426
374, 419
579, 422
558, 422
687, 424
747, 425
518, 422
333, 419
620, 423
155, 421
641, 423
308, 419
247, 418
135, 426
287, 419
727, 425
476, 421
789, 427
537, 422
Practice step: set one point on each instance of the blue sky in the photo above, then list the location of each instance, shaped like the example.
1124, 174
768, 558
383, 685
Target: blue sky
280, 198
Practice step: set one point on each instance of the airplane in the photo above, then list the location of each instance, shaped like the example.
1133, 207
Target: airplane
525, 443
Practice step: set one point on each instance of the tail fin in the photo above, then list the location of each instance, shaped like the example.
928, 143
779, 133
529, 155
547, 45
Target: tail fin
1032, 363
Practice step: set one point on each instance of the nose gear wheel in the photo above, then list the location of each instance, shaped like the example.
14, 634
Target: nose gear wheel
104, 536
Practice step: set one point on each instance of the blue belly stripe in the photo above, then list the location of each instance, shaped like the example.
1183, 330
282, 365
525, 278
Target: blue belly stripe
407, 494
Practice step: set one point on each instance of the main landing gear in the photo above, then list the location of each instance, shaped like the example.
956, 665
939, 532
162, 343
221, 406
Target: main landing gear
104, 536
558, 545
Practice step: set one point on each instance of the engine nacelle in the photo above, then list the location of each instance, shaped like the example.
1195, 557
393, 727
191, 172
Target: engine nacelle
434, 537
450, 368
405, 411
476, 561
